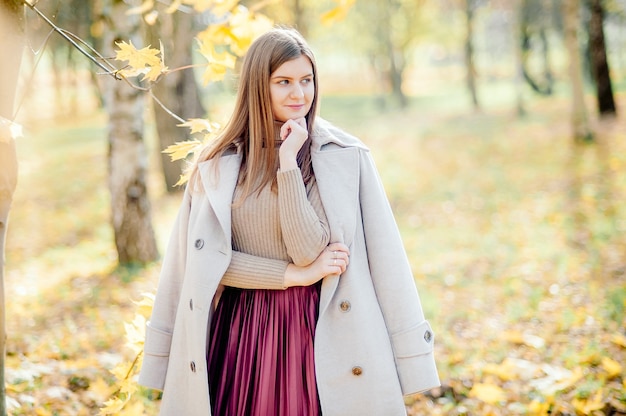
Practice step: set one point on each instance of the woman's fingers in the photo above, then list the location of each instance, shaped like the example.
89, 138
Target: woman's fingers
337, 256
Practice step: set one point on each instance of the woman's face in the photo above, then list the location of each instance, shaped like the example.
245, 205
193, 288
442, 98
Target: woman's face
292, 89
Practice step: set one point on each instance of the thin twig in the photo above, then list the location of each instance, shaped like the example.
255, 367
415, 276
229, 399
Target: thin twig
70, 40
167, 110
112, 70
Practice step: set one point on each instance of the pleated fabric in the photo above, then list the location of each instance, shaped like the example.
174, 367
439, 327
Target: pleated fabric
260, 358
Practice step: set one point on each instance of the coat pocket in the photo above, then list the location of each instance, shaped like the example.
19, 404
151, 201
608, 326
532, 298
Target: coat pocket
158, 342
415, 341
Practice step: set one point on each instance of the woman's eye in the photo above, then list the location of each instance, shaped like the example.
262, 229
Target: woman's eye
307, 81
283, 82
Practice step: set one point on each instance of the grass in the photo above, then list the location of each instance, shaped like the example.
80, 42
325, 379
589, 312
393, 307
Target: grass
514, 234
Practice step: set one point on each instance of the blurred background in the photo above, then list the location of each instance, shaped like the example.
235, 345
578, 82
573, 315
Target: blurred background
497, 126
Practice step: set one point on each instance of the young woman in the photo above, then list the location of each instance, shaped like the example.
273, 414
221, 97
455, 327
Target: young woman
285, 289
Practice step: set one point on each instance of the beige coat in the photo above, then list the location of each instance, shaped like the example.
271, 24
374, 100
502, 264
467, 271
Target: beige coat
372, 343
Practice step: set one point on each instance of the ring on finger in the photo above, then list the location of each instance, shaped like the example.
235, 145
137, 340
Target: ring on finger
335, 261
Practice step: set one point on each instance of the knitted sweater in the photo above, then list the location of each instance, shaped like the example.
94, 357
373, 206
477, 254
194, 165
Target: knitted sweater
272, 229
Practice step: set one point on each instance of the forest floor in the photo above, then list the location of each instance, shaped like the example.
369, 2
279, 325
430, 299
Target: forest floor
516, 237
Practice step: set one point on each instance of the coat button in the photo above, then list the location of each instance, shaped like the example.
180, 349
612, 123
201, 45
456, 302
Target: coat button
357, 371
191, 304
192, 366
428, 336
344, 306
199, 243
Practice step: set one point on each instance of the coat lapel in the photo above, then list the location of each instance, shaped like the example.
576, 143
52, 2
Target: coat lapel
219, 190
337, 176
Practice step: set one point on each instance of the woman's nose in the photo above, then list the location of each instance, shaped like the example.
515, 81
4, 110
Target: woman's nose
296, 91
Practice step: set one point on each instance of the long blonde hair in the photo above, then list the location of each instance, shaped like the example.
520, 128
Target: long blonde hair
252, 126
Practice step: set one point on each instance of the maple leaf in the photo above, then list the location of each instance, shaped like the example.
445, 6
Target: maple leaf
219, 63
197, 125
112, 406
182, 180
145, 61
144, 306
245, 28
180, 150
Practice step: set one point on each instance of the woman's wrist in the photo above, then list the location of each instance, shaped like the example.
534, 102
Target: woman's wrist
287, 162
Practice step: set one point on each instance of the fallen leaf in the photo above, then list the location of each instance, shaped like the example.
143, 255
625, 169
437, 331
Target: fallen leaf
488, 393
612, 367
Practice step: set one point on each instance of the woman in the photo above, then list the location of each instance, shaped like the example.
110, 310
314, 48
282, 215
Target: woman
285, 289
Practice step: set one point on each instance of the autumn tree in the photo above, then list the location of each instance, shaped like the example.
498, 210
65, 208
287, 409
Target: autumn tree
599, 61
580, 118
533, 33
11, 45
470, 68
387, 30
127, 159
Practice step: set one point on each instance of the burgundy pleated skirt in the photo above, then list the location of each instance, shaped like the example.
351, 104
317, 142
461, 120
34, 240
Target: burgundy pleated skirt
260, 359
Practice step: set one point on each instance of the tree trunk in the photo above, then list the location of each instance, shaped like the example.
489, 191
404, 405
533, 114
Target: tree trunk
518, 30
580, 119
469, 53
178, 90
130, 206
11, 46
395, 62
300, 18
599, 63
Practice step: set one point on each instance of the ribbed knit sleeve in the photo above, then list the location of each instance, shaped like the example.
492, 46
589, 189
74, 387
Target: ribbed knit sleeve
303, 222
253, 272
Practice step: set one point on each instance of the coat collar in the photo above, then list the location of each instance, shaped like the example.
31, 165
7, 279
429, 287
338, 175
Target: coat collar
325, 133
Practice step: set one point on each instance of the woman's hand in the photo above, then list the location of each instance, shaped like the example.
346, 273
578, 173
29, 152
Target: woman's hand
293, 134
333, 260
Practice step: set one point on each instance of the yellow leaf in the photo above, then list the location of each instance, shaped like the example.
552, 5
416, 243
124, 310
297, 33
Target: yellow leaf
488, 393
182, 180
144, 306
197, 125
586, 406
101, 388
120, 371
520, 338
135, 333
537, 408
219, 63
112, 406
128, 386
612, 367
134, 409
245, 28
180, 150
338, 13
619, 339
145, 61
503, 371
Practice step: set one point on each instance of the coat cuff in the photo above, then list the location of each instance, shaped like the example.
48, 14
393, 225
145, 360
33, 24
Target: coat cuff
415, 359
156, 358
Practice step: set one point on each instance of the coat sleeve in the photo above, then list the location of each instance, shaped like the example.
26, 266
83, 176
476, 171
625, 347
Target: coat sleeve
160, 327
411, 336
